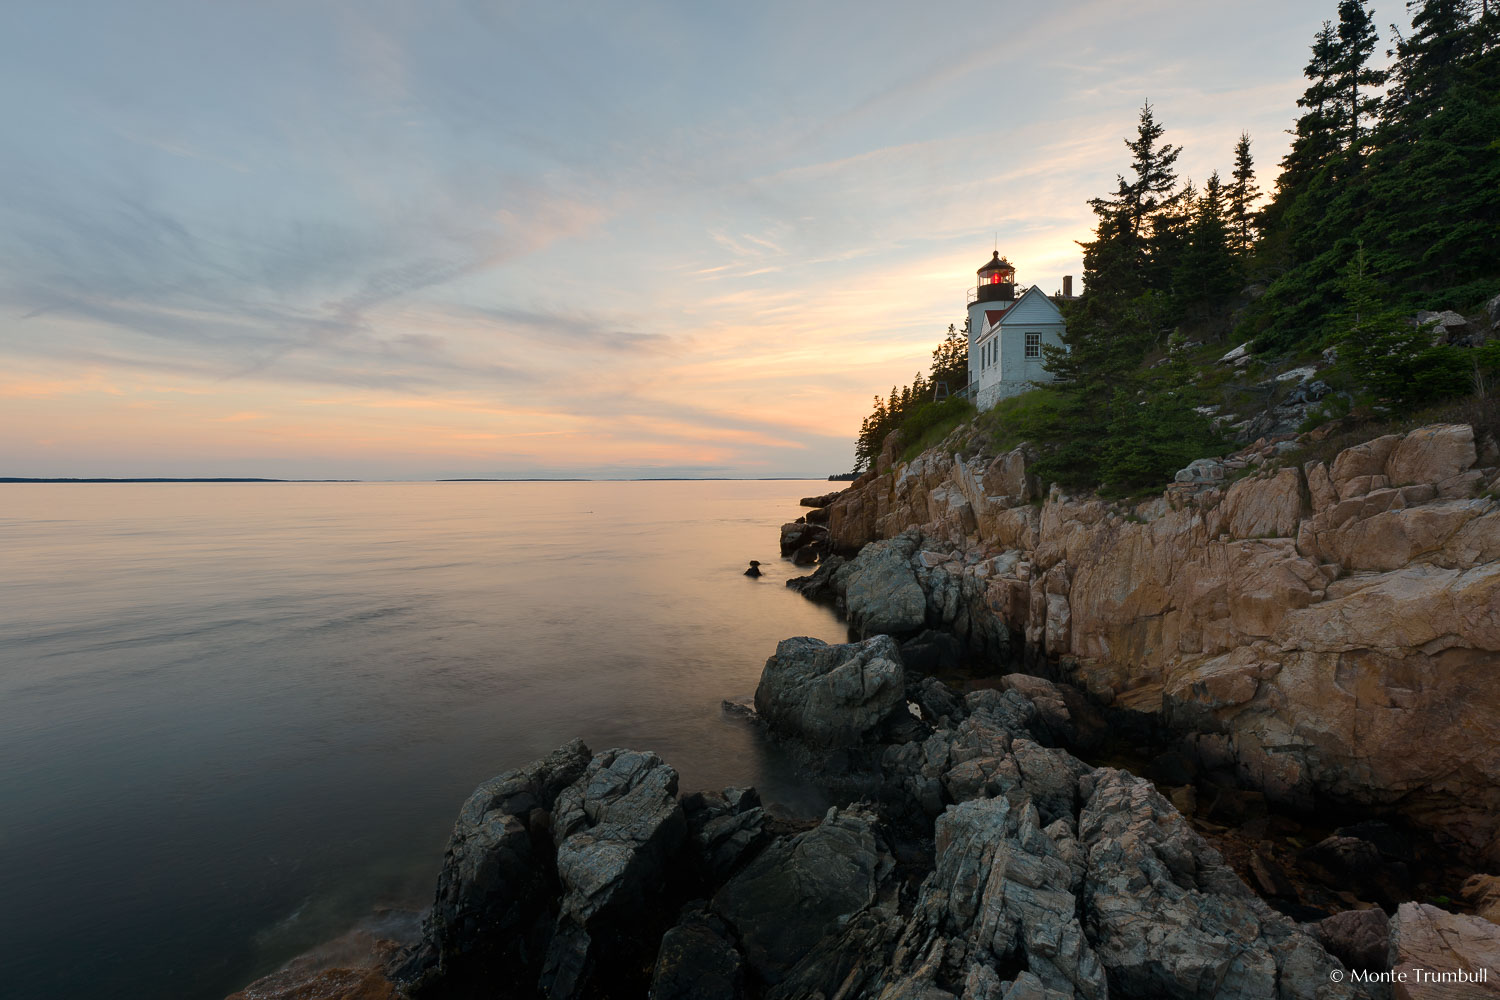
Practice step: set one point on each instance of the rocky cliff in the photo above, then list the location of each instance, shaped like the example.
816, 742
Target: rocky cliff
991, 864
1331, 629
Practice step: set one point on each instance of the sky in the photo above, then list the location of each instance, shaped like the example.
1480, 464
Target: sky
441, 239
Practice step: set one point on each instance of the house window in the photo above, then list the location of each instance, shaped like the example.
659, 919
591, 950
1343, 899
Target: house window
1033, 345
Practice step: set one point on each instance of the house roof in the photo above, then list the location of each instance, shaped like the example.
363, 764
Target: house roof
1035, 290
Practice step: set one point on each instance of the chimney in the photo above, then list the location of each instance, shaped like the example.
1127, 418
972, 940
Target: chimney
1067, 286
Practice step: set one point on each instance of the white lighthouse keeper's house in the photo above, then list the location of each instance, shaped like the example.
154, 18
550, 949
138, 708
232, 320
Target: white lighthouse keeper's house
1006, 334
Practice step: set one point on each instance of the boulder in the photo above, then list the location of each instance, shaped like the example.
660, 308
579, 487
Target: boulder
1445, 324
1358, 938
795, 535
1009, 893
1066, 715
1431, 455
1429, 942
725, 829
697, 959
1202, 471
822, 501
825, 583
490, 911
1169, 919
831, 695
1265, 507
1361, 461
805, 556
882, 593
802, 890
617, 828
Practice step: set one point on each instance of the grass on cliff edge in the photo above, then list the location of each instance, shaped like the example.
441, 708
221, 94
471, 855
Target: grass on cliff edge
929, 423
1024, 417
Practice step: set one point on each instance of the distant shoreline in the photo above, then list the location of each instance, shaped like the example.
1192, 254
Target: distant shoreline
642, 479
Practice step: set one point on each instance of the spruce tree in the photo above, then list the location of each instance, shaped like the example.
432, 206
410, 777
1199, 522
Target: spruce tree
1242, 194
1206, 274
1354, 77
1430, 60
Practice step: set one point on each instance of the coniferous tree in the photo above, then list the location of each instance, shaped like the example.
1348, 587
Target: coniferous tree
1206, 275
950, 359
1354, 77
1241, 194
1430, 60
1314, 141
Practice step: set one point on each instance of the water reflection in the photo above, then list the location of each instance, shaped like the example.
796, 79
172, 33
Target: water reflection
225, 704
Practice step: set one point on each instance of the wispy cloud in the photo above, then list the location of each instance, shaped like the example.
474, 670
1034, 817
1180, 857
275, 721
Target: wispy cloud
649, 238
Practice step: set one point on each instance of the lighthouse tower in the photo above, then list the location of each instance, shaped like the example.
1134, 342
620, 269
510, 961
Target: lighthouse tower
993, 295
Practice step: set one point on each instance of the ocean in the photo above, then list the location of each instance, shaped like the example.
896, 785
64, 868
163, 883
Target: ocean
236, 719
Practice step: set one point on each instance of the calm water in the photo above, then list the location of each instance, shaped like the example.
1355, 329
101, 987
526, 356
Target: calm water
236, 718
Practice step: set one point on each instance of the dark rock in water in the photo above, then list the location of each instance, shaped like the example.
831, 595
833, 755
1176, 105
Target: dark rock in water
831, 695
823, 584
794, 536
491, 907
805, 556
801, 891
822, 501
1358, 938
994, 867
735, 708
932, 652
819, 516
697, 960
754, 569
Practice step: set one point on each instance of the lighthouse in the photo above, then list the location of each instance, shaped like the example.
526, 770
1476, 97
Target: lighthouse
994, 293
1007, 334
